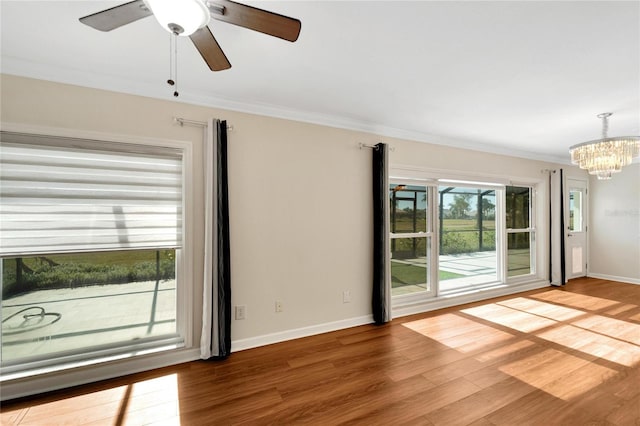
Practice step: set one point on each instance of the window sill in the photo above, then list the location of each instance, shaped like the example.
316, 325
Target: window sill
64, 375
409, 307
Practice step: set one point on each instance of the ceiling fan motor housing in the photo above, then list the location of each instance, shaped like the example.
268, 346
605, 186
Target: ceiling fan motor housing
175, 28
180, 17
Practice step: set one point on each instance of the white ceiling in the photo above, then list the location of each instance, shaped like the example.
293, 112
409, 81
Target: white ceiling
521, 77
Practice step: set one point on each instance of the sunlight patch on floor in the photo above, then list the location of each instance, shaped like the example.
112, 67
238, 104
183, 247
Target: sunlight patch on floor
603, 337
580, 381
543, 309
612, 327
459, 333
566, 372
560, 374
153, 401
580, 301
595, 344
512, 318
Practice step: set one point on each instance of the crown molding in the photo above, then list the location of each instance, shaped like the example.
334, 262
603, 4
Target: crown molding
24, 68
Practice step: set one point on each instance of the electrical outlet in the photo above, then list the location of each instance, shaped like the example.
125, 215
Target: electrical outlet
346, 296
241, 312
278, 306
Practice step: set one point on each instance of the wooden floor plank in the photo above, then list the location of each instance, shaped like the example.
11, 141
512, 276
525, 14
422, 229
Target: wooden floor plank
480, 404
627, 414
535, 408
567, 356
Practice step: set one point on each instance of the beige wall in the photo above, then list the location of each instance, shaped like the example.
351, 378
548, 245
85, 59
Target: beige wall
299, 196
614, 226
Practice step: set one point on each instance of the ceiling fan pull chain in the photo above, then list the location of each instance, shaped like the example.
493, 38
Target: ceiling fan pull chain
170, 82
175, 62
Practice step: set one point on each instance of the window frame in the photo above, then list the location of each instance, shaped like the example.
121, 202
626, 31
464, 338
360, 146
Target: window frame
184, 258
435, 178
499, 232
532, 230
429, 235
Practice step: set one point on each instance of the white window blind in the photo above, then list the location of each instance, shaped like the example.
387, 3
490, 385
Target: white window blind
62, 195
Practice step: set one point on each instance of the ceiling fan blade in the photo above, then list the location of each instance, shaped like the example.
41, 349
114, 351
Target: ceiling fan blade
255, 19
110, 19
210, 50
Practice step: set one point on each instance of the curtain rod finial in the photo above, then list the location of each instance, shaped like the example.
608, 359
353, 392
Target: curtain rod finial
364, 145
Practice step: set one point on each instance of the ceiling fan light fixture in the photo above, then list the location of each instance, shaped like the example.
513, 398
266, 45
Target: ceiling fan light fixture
180, 17
605, 156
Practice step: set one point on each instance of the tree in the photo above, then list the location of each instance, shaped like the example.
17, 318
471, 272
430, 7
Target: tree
459, 206
488, 208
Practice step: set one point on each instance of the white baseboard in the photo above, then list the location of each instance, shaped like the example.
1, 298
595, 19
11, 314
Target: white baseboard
614, 278
67, 378
430, 305
282, 336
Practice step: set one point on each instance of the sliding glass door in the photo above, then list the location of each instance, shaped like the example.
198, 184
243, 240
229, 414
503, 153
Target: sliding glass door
467, 230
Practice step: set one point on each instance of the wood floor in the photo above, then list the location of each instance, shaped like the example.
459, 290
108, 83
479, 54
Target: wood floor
567, 356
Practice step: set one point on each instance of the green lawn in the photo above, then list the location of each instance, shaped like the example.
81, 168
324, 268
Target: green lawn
82, 269
403, 274
466, 224
127, 257
458, 235
405, 224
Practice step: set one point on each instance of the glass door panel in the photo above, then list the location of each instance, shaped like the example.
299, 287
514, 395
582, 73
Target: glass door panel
467, 231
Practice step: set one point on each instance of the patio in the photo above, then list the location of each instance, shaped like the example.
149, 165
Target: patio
476, 268
50, 321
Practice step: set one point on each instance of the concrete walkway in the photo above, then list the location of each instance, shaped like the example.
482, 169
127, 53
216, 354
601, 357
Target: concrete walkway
470, 264
477, 269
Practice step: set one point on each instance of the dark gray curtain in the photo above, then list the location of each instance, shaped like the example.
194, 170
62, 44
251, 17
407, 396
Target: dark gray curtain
381, 296
216, 328
550, 229
557, 228
224, 261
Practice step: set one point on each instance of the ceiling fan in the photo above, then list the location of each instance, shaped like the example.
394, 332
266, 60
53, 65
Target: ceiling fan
190, 18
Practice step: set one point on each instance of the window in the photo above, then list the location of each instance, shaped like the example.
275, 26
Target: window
411, 239
454, 236
520, 232
575, 210
90, 247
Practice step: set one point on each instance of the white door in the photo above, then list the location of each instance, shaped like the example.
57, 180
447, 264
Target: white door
576, 221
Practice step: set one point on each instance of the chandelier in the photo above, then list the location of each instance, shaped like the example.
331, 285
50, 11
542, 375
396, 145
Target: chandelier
605, 156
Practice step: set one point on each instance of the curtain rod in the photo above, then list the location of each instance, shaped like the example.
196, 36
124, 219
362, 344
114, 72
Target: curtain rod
364, 145
183, 122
